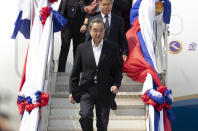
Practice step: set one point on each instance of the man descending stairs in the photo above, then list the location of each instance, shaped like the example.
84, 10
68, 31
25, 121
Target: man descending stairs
129, 116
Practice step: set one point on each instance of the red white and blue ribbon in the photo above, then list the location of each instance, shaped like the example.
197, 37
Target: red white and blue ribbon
22, 23
52, 1
59, 21
30, 97
44, 13
39, 99
142, 63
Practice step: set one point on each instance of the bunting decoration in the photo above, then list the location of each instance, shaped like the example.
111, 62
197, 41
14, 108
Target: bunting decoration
141, 66
44, 22
39, 99
22, 23
52, 1
45, 12
26, 13
160, 98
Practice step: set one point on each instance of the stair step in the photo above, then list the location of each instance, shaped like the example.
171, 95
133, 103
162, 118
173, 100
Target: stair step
131, 83
62, 84
123, 88
113, 124
63, 74
64, 77
56, 111
125, 80
68, 74
119, 95
77, 117
121, 103
79, 129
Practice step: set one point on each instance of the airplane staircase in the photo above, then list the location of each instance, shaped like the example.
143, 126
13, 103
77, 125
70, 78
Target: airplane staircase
64, 116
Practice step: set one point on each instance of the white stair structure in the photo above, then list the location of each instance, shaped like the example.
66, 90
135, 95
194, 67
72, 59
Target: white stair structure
64, 116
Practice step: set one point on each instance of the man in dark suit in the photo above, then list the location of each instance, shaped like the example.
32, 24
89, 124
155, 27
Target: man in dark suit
70, 9
98, 62
120, 7
114, 31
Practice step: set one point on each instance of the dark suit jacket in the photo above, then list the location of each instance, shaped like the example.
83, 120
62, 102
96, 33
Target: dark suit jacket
116, 34
121, 5
108, 71
76, 14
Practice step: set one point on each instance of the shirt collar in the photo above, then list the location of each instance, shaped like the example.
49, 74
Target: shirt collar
103, 15
99, 46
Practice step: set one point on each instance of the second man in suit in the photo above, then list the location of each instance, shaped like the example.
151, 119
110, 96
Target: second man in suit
114, 27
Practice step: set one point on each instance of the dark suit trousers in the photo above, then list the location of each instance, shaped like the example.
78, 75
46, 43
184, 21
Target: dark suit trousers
87, 102
71, 30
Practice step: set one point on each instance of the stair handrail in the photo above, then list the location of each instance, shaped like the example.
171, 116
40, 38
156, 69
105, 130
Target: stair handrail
48, 83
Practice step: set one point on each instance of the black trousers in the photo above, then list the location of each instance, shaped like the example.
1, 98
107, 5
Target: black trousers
87, 102
70, 31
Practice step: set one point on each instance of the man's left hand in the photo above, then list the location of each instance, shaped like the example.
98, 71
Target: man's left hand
114, 89
124, 57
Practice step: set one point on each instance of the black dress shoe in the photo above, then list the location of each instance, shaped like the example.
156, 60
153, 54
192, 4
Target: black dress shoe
114, 106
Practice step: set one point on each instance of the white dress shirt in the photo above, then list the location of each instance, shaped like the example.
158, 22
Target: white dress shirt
97, 51
109, 18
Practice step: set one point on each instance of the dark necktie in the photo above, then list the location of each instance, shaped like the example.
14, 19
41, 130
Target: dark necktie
106, 23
